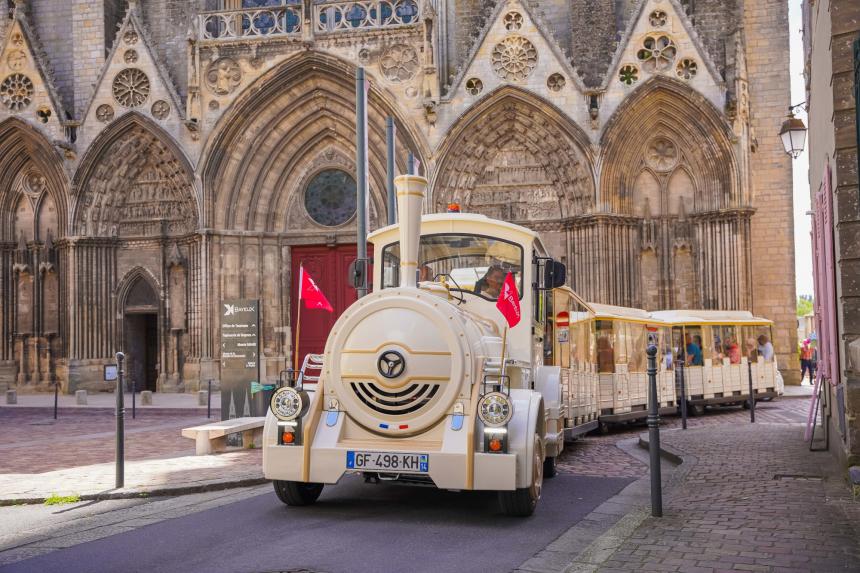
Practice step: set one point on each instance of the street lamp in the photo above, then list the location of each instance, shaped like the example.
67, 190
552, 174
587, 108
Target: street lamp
793, 133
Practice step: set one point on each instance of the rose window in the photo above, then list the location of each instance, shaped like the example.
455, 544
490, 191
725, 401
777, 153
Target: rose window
687, 69
662, 154
658, 18
628, 75
513, 21
330, 197
131, 87
16, 92
657, 53
474, 86
514, 58
555, 82
399, 63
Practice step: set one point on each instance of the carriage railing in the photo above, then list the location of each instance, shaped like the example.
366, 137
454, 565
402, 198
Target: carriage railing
328, 17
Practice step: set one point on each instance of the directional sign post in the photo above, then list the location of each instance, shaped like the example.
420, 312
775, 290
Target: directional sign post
240, 357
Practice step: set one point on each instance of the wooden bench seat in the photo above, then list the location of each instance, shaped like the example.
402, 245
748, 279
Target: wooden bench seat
211, 438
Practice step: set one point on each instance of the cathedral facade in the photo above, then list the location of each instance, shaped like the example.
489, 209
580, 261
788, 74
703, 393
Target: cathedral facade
160, 156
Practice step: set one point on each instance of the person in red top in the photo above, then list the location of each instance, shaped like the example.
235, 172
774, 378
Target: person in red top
806, 363
733, 351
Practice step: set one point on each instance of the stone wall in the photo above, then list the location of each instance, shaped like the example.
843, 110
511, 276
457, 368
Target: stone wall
88, 49
51, 22
766, 25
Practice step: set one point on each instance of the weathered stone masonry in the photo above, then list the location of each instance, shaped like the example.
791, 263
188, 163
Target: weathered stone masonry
156, 156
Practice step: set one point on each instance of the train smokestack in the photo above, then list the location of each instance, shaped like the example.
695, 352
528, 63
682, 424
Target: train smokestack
410, 202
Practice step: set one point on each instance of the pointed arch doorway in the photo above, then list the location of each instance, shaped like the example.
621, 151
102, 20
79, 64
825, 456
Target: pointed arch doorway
141, 336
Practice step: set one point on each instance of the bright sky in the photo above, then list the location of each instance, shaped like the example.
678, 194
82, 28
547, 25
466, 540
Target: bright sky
802, 242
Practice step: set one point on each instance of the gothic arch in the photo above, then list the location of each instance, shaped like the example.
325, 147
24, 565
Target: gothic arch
128, 282
515, 156
135, 181
30, 167
663, 126
292, 118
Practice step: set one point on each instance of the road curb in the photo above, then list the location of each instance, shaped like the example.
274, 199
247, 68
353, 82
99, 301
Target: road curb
141, 492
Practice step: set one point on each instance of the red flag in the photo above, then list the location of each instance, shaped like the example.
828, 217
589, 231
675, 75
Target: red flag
509, 301
311, 293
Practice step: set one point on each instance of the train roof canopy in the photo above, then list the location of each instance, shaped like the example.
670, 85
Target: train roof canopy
459, 223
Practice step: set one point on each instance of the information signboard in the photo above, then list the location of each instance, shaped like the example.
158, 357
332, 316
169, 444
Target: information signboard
240, 356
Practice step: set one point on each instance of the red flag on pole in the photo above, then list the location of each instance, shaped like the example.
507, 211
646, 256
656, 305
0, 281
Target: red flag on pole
509, 301
311, 293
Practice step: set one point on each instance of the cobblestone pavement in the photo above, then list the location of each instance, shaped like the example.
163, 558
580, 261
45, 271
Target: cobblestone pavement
74, 455
598, 455
749, 498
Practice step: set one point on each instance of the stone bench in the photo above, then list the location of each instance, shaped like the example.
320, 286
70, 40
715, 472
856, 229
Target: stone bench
211, 438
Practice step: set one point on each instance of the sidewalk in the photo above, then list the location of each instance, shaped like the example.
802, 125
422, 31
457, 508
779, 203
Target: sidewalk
747, 497
74, 455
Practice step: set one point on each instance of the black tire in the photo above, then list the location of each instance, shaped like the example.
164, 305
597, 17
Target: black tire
550, 470
746, 404
696, 410
297, 493
522, 502
603, 428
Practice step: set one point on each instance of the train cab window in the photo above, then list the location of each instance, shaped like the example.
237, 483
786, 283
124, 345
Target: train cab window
694, 347
605, 350
471, 264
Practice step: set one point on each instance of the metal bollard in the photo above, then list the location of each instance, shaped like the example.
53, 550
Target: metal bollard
120, 423
654, 434
752, 393
133, 399
683, 395
56, 396
209, 401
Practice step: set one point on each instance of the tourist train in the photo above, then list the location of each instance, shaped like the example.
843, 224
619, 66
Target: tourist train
423, 382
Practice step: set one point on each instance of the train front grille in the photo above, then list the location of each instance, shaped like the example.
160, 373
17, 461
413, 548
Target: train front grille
409, 400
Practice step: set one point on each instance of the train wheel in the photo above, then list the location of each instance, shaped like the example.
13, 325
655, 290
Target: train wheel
603, 428
696, 409
550, 470
522, 502
297, 493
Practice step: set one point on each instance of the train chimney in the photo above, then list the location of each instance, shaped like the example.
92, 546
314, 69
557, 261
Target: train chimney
410, 202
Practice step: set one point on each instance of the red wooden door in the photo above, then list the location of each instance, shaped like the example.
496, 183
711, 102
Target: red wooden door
329, 267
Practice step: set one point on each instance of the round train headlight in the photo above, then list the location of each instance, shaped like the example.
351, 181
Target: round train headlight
288, 403
495, 409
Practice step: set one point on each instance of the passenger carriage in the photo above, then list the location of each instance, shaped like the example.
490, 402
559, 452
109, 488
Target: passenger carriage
412, 387
605, 348
729, 351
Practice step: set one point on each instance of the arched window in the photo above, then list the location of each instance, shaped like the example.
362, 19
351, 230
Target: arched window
330, 197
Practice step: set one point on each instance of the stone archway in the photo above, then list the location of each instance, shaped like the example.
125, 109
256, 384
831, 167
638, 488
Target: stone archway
671, 178
515, 157
141, 340
136, 207
33, 211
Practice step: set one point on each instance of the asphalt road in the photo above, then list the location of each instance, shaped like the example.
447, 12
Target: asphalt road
354, 528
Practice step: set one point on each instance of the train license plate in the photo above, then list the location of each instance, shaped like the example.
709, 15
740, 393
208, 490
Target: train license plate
395, 462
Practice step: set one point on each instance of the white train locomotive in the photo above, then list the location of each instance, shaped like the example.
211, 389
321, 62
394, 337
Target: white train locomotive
412, 386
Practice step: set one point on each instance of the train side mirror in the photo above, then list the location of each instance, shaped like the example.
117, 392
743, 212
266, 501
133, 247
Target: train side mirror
358, 273
555, 275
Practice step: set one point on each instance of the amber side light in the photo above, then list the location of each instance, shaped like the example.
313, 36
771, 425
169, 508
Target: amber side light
453, 207
495, 444
288, 437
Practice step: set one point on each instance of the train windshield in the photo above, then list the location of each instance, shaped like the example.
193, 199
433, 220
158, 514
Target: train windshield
470, 263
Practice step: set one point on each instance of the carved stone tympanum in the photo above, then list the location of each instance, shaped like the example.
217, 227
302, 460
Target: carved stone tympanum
662, 154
